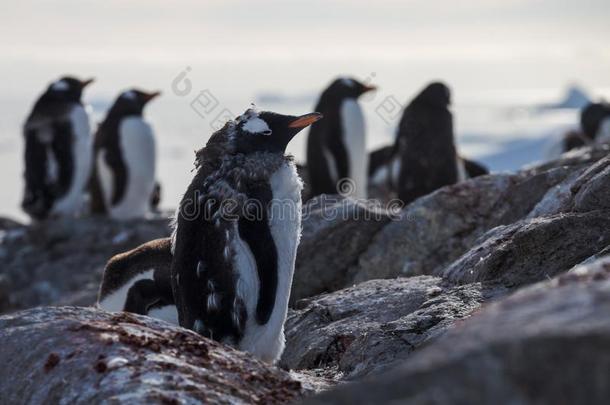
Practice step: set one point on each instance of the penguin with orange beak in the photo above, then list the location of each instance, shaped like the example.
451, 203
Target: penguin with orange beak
57, 151
238, 228
123, 181
336, 147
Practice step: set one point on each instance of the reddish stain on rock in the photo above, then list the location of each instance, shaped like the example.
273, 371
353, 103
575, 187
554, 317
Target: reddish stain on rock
101, 366
52, 361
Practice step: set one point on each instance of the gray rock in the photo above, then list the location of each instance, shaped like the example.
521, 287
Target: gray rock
574, 158
546, 344
534, 249
69, 355
369, 327
592, 191
61, 261
586, 189
335, 231
436, 229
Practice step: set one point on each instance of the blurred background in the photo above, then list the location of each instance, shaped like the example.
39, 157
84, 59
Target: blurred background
519, 69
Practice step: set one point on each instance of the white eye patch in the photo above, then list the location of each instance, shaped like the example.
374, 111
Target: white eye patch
130, 95
60, 85
253, 124
256, 126
348, 82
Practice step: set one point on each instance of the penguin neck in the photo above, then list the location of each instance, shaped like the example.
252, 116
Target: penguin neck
110, 126
49, 105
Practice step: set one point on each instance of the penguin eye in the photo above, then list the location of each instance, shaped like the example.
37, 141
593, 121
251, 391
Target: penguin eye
267, 132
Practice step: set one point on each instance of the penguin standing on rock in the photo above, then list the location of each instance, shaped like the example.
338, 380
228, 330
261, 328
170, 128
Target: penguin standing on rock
238, 228
57, 151
425, 146
138, 281
336, 147
123, 181
595, 124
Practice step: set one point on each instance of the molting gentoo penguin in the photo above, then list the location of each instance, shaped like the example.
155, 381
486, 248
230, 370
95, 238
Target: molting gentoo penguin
336, 146
238, 228
57, 151
138, 281
123, 180
425, 145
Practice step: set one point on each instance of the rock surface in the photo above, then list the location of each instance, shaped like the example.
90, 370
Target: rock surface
549, 343
69, 355
437, 229
367, 328
335, 231
534, 249
61, 261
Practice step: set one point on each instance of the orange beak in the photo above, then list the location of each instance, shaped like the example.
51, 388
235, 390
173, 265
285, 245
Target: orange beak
305, 120
87, 82
369, 88
152, 95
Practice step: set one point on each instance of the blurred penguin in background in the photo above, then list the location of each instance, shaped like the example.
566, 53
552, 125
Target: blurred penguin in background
594, 128
336, 146
123, 182
57, 151
595, 125
425, 148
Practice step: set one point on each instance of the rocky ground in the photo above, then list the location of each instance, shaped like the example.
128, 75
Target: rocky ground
492, 290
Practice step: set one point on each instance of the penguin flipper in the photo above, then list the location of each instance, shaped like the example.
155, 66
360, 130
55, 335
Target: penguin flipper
96, 193
122, 288
321, 178
474, 169
256, 233
61, 145
379, 158
37, 200
339, 151
119, 176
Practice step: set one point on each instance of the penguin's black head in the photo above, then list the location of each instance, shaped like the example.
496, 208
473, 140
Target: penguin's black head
345, 87
266, 131
132, 102
67, 89
435, 94
592, 116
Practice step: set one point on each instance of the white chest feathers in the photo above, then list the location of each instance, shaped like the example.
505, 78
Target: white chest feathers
354, 138
267, 341
72, 202
137, 145
603, 133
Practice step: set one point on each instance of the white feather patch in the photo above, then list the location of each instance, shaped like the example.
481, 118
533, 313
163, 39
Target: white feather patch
137, 143
354, 137
60, 85
257, 126
213, 301
252, 123
72, 202
200, 269
348, 82
130, 95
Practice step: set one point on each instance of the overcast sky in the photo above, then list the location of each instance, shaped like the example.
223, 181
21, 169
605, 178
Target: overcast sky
550, 42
